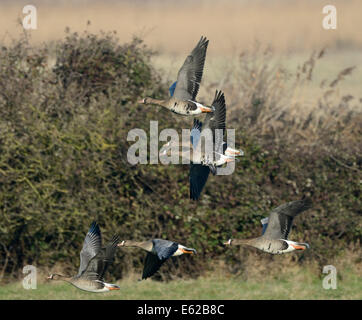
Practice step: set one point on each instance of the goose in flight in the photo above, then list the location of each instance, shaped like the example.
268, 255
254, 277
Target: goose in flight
158, 252
276, 228
201, 164
184, 91
94, 261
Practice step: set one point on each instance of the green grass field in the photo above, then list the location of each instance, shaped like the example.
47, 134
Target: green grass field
289, 286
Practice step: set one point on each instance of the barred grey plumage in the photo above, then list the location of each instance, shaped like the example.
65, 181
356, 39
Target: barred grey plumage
275, 237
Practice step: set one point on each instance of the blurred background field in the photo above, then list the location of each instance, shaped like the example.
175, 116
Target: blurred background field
68, 97
170, 26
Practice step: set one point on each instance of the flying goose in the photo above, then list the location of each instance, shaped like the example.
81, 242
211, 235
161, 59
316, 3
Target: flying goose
158, 252
274, 238
94, 261
213, 122
184, 91
201, 165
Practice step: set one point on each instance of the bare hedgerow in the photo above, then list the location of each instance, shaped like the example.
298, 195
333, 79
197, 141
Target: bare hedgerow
97, 63
275, 104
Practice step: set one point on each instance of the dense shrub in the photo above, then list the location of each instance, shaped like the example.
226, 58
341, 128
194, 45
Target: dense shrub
63, 163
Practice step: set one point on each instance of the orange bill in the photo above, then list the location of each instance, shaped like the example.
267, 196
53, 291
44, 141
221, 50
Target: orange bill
205, 109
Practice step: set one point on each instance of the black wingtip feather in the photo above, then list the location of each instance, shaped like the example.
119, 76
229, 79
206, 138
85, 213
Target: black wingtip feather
115, 240
94, 228
219, 97
203, 42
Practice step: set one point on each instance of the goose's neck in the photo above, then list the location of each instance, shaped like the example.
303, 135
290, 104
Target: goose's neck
61, 277
245, 242
67, 279
157, 102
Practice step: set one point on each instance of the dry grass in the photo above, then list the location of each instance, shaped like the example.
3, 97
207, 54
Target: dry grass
289, 105
171, 26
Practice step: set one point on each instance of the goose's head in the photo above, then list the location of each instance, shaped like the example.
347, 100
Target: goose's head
292, 246
182, 249
110, 287
167, 144
55, 276
228, 243
165, 149
206, 109
121, 244
142, 101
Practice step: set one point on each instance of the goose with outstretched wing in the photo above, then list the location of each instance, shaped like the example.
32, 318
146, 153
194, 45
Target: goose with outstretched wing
276, 228
202, 163
158, 251
183, 92
94, 261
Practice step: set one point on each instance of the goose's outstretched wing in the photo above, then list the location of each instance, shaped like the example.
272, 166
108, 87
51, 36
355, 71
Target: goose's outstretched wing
198, 177
107, 257
216, 121
190, 74
163, 250
195, 133
98, 264
264, 223
281, 218
152, 264
91, 246
172, 88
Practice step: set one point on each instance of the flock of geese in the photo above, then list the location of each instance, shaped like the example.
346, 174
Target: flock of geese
95, 258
